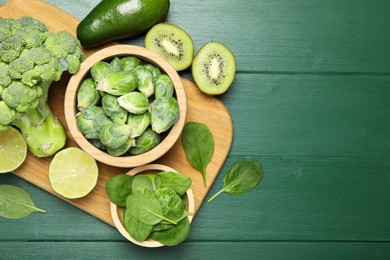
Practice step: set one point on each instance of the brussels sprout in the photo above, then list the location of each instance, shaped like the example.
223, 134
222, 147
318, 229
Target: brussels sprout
88, 121
113, 110
100, 70
145, 80
87, 95
130, 62
145, 142
118, 83
100, 120
138, 123
164, 113
155, 71
121, 149
116, 64
115, 135
86, 126
97, 143
163, 86
134, 102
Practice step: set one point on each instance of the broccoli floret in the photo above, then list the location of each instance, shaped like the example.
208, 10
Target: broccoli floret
31, 58
21, 97
65, 48
35, 65
11, 48
7, 114
19, 66
5, 78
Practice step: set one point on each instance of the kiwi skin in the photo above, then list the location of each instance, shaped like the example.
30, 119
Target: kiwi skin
214, 68
181, 56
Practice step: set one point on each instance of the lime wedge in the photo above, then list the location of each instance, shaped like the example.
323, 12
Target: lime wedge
73, 173
13, 150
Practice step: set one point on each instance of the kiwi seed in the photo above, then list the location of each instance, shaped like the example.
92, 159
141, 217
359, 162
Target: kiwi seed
172, 43
214, 68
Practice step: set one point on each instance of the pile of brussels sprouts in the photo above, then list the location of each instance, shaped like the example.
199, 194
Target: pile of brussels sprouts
126, 106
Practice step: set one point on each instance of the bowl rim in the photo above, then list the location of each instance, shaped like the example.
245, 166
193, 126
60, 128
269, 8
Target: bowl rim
115, 211
71, 110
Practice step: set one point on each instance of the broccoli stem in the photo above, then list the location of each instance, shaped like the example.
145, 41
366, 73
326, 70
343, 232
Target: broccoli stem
43, 132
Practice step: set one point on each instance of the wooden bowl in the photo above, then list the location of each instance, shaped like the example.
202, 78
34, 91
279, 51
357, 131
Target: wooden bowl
116, 212
71, 108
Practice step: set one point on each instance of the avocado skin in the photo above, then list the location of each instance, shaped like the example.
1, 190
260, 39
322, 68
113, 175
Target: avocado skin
119, 19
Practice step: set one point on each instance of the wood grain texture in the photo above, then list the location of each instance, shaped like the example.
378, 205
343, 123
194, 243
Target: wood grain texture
310, 115
334, 36
237, 250
299, 199
97, 202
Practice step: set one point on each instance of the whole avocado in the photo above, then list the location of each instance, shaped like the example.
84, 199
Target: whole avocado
118, 19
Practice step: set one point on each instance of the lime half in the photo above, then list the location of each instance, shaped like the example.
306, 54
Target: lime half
73, 173
13, 150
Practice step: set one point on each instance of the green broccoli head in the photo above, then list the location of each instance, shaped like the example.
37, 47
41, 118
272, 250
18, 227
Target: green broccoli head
31, 58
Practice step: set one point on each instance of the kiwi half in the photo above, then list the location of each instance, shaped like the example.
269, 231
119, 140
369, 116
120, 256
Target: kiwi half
172, 43
214, 68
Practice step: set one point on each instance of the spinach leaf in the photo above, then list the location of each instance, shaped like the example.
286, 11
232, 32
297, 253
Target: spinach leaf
137, 229
145, 208
146, 183
176, 181
162, 226
198, 145
240, 178
170, 202
16, 203
118, 188
174, 235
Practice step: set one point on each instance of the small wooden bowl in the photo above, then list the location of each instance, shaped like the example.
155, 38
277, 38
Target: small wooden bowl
116, 212
71, 108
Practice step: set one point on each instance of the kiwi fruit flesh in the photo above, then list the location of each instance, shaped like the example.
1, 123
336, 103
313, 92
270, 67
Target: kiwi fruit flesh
214, 68
172, 43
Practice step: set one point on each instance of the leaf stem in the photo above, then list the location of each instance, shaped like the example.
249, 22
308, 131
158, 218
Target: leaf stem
162, 217
204, 178
215, 195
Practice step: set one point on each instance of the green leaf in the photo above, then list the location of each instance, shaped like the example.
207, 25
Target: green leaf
16, 203
146, 183
198, 145
240, 178
170, 202
176, 181
118, 188
174, 235
137, 229
145, 208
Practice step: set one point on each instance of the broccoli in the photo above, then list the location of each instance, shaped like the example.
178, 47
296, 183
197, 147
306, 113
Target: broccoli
31, 58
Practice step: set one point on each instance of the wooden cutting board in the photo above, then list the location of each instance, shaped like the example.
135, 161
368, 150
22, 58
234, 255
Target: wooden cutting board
201, 108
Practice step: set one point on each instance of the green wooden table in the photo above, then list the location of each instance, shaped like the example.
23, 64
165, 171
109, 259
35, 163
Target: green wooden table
310, 103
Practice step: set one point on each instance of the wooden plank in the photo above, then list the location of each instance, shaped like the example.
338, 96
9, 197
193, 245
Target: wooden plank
285, 36
310, 115
97, 203
305, 199
197, 250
